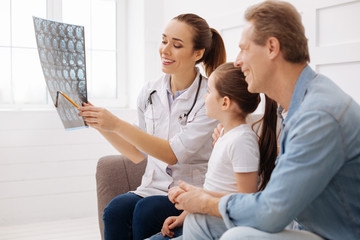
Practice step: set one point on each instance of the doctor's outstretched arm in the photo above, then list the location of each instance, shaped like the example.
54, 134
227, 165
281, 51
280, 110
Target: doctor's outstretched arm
118, 132
123, 146
120, 144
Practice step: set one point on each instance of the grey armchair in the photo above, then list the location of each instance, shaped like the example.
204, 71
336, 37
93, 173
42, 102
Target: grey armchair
115, 175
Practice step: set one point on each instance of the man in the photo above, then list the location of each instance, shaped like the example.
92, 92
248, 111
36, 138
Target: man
316, 180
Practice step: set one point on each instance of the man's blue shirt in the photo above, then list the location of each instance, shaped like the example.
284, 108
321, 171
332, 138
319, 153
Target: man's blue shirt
317, 176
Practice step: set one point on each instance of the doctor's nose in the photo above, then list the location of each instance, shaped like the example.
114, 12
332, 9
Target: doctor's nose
165, 49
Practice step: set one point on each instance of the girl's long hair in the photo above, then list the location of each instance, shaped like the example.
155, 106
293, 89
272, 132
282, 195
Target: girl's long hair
230, 82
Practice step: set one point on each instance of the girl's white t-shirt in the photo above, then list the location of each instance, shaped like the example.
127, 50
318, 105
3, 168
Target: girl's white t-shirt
237, 151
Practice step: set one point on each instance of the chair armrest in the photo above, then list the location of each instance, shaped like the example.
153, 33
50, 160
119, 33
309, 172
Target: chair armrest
115, 175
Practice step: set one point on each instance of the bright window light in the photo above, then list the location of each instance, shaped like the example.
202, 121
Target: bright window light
22, 82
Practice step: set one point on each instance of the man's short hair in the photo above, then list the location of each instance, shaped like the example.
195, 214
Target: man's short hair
280, 20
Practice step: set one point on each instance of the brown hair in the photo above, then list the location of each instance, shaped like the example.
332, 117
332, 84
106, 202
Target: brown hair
205, 38
280, 20
230, 82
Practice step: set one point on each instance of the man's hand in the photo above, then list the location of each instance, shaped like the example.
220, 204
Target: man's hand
195, 200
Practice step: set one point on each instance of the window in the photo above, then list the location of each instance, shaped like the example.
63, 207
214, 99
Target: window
22, 82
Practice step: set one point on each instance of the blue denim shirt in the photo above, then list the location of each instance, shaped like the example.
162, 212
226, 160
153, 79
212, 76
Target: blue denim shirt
317, 176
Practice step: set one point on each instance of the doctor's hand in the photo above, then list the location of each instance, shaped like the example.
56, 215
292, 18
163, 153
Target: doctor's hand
98, 118
216, 133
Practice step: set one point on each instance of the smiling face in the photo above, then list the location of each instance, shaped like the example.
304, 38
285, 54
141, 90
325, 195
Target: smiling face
177, 48
254, 62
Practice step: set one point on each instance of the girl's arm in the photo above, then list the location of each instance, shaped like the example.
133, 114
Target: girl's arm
182, 216
106, 122
246, 183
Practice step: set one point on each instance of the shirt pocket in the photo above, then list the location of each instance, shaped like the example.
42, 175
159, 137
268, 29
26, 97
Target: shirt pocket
152, 116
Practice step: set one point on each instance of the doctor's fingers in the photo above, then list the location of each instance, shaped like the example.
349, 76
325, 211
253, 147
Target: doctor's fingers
87, 104
89, 119
94, 112
88, 114
97, 124
90, 108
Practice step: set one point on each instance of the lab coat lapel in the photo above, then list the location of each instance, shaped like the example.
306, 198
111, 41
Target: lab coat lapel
163, 94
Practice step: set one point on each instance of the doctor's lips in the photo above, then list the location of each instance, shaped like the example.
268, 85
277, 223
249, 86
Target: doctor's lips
166, 61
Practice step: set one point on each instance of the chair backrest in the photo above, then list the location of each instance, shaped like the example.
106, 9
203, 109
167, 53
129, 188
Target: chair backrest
253, 118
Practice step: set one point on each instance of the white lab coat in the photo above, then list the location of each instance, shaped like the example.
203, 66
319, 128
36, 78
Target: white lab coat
191, 143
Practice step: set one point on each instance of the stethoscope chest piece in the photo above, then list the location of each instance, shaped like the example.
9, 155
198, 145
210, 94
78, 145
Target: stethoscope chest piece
183, 118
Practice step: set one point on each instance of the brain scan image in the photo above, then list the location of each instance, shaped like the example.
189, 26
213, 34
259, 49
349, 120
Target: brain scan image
62, 53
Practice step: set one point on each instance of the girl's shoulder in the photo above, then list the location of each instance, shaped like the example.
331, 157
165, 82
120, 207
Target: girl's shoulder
243, 129
241, 133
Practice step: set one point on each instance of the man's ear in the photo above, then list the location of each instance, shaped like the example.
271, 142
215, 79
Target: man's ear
199, 54
226, 103
273, 46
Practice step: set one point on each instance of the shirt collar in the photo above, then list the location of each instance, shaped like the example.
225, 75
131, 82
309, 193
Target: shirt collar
177, 93
306, 75
183, 94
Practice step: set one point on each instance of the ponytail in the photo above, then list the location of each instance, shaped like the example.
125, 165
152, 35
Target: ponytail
230, 82
216, 54
205, 38
268, 142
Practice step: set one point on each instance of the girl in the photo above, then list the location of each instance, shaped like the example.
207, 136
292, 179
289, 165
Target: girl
239, 156
175, 132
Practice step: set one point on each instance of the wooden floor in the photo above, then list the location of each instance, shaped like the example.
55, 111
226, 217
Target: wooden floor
75, 229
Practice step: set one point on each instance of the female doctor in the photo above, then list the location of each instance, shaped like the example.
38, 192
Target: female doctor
174, 130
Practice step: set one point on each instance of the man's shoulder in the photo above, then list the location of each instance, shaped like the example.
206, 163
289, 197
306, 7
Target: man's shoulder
323, 97
322, 94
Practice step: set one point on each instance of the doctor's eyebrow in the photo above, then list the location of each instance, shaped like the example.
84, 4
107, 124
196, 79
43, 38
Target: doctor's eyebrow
176, 39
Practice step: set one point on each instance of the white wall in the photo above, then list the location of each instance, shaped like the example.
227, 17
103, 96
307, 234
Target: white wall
145, 24
47, 173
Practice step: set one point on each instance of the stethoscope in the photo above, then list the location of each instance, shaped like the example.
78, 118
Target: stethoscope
182, 117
